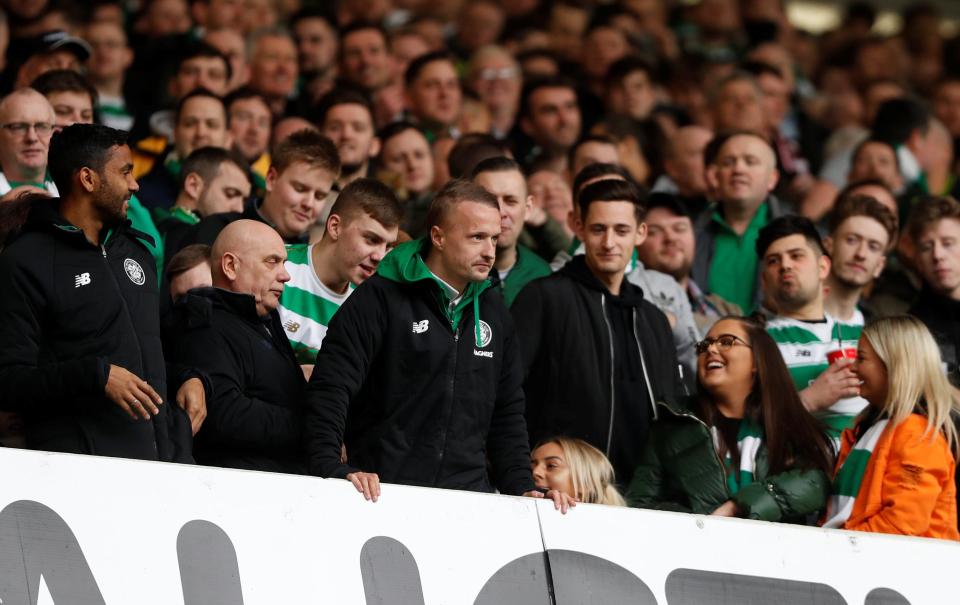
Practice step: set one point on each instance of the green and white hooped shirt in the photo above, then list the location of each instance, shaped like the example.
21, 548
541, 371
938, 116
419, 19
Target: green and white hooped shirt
804, 346
306, 305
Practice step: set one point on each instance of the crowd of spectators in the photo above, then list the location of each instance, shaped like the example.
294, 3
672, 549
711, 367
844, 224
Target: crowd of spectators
664, 254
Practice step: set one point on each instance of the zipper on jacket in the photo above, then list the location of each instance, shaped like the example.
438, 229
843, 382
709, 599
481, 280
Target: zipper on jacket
643, 364
613, 365
452, 394
713, 446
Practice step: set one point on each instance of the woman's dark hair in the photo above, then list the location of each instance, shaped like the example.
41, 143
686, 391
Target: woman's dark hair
794, 438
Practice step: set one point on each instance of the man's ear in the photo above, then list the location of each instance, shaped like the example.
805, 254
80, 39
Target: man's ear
374, 147
229, 265
774, 179
271, 178
825, 265
526, 126
641, 235
332, 229
436, 237
88, 179
828, 244
193, 186
880, 267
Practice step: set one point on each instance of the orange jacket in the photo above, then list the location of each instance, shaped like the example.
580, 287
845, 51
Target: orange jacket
908, 487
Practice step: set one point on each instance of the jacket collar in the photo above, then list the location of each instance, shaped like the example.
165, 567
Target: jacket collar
578, 270
44, 215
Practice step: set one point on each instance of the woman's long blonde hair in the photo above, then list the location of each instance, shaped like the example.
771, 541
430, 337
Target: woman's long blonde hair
590, 472
915, 377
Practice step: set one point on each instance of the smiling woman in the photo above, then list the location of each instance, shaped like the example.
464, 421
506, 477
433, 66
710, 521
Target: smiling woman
746, 446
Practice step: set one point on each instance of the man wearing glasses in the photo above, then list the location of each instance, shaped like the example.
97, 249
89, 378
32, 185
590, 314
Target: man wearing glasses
26, 123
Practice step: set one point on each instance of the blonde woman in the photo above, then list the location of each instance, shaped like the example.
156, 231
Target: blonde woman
895, 473
575, 467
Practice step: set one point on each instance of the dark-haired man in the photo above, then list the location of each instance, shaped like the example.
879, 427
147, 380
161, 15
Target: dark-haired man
597, 356
346, 118
433, 95
81, 358
550, 117
516, 265
794, 267
362, 227
419, 375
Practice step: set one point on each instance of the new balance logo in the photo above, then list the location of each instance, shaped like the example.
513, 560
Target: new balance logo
291, 326
81, 280
419, 327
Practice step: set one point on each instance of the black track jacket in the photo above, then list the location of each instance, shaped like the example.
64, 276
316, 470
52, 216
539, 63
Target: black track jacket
70, 309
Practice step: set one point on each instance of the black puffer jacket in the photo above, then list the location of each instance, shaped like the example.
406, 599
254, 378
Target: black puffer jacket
71, 309
254, 416
569, 327
415, 400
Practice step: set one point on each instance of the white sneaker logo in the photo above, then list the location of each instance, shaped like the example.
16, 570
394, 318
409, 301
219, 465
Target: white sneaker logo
81, 280
419, 327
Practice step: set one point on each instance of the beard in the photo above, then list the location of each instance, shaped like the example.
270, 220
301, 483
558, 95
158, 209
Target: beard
352, 168
789, 300
110, 204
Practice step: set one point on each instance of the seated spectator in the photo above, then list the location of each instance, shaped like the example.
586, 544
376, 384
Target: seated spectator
550, 119
249, 120
73, 98
433, 98
201, 121
746, 174
604, 327
685, 169
494, 75
745, 446
862, 232
575, 467
27, 120
817, 347
362, 227
213, 181
273, 66
895, 472
232, 333
630, 89
303, 170
935, 228
49, 51
592, 149
406, 159
109, 60
516, 265
669, 249
346, 118
551, 193
189, 269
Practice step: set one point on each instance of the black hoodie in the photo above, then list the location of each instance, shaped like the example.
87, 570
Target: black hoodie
594, 362
71, 309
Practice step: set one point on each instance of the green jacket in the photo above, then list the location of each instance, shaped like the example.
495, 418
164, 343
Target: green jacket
528, 267
680, 470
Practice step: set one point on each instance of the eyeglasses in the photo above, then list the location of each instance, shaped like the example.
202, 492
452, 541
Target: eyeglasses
20, 128
724, 343
492, 73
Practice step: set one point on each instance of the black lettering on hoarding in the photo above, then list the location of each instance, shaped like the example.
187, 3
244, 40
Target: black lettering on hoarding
35, 541
390, 573
209, 572
695, 587
582, 578
522, 580
885, 596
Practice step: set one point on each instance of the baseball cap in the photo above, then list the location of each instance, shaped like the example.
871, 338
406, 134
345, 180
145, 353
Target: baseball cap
57, 40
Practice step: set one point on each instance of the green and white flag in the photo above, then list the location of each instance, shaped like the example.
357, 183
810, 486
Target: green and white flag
847, 483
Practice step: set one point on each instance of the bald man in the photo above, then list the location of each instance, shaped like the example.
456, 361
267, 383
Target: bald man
744, 174
232, 333
26, 124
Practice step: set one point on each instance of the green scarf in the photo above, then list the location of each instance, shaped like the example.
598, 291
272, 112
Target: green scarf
846, 485
749, 442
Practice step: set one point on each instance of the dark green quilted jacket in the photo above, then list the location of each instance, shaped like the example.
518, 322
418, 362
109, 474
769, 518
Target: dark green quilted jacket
681, 471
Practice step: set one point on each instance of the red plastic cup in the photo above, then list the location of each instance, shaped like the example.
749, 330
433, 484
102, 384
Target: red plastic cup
833, 356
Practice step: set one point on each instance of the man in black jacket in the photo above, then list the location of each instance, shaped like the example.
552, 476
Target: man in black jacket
419, 374
80, 353
597, 355
232, 332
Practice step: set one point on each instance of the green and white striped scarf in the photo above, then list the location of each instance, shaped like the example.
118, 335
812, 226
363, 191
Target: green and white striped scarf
846, 485
749, 440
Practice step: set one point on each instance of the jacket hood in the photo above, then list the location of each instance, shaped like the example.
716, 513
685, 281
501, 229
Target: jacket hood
405, 265
578, 270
